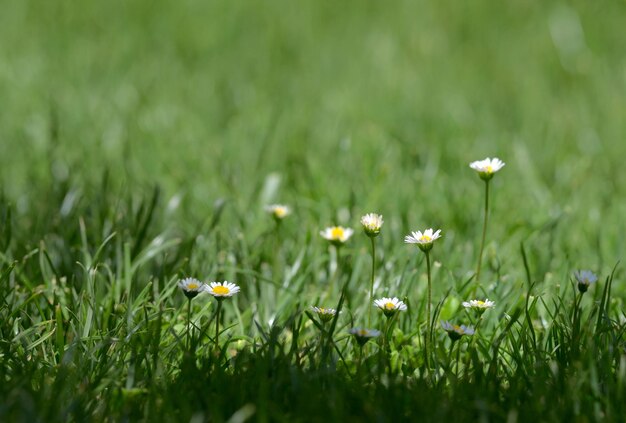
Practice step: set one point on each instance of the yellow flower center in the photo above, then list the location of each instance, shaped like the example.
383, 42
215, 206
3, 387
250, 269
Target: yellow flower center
322, 310
336, 232
425, 238
457, 328
390, 306
280, 212
480, 303
220, 290
192, 286
489, 169
362, 332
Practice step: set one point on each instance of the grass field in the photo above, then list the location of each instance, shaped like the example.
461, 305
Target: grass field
141, 141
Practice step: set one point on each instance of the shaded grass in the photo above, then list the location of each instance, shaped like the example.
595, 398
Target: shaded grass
109, 342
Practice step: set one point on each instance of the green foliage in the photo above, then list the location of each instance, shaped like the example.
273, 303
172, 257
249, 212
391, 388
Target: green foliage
140, 141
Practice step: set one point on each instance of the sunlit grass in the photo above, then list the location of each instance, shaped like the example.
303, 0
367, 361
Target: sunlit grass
143, 144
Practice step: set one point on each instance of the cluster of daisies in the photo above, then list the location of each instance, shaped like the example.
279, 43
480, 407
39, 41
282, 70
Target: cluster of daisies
372, 224
389, 306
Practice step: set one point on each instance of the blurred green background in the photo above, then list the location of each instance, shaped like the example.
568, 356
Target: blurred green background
338, 108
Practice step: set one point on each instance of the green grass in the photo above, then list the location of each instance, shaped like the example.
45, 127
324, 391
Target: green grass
140, 141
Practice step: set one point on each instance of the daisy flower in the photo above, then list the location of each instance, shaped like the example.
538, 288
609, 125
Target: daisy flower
486, 168
363, 335
278, 211
424, 240
372, 223
220, 290
337, 235
478, 305
390, 306
455, 332
191, 287
325, 314
585, 278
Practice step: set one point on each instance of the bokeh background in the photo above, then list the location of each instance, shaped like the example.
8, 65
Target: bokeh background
337, 108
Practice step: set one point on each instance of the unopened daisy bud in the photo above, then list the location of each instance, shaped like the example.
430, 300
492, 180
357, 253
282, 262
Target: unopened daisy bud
324, 314
191, 287
278, 211
363, 335
585, 278
424, 240
221, 290
478, 306
337, 235
372, 223
455, 332
390, 306
486, 168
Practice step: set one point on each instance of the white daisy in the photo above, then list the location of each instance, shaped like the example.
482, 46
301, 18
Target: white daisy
337, 235
221, 290
363, 335
278, 211
372, 223
390, 306
455, 332
478, 305
486, 168
585, 278
325, 314
424, 240
191, 287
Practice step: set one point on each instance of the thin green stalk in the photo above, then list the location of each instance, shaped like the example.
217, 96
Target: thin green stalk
277, 248
428, 330
369, 315
386, 345
188, 321
360, 361
322, 340
476, 330
576, 322
450, 364
390, 321
458, 358
334, 277
217, 324
482, 242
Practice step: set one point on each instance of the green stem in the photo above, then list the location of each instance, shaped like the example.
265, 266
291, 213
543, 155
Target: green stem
458, 358
428, 330
386, 343
322, 340
360, 360
450, 364
217, 325
334, 276
474, 340
275, 271
482, 242
576, 330
188, 321
390, 321
386, 334
369, 315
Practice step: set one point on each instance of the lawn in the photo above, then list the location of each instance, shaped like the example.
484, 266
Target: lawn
141, 142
